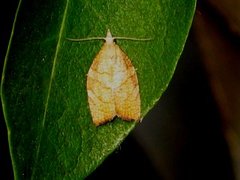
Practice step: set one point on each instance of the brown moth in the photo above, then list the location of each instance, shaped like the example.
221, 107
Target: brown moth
112, 83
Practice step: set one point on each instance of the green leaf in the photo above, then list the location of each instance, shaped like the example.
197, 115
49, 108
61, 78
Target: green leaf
43, 87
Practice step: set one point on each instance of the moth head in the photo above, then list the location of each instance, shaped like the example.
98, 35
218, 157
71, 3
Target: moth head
109, 39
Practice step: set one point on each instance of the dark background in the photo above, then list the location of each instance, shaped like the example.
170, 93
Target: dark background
186, 135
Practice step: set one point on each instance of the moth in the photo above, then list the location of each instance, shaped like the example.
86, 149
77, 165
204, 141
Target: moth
112, 83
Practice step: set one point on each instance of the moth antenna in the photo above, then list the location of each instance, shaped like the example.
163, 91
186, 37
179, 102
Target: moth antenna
85, 39
108, 38
133, 39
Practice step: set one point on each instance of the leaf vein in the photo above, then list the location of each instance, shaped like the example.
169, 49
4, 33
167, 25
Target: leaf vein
50, 86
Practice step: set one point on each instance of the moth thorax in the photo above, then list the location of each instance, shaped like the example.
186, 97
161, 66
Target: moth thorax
109, 40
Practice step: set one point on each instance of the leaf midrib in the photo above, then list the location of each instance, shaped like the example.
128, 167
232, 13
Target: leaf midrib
50, 85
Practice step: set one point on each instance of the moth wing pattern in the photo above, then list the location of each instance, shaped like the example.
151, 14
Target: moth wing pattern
112, 86
127, 97
100, 97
